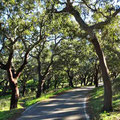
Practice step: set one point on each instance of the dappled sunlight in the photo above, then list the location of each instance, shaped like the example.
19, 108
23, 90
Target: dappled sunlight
68, 106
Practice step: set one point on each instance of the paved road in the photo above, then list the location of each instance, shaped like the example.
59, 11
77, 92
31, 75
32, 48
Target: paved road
68, 106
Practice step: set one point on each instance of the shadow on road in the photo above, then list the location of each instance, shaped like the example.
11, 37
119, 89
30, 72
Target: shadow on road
69, 106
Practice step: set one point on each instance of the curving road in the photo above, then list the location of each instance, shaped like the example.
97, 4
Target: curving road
68, 106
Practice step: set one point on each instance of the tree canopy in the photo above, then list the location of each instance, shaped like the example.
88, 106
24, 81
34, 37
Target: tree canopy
58, 43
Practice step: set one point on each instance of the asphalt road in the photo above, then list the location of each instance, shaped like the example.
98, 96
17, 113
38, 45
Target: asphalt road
68, 106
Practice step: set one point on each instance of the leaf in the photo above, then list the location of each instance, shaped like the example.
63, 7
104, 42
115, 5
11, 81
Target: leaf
12, 1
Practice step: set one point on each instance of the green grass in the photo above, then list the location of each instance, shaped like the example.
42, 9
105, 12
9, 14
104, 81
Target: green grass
5, 113
33, 100
96, 104
26, 101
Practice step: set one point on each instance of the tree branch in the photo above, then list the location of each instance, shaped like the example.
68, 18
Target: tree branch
70, 9
107, 21
52, 57
22, 66
94, 10
9, 62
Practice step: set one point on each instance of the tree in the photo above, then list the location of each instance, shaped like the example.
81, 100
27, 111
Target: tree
91, 30
18, 26
43, 65
68, 59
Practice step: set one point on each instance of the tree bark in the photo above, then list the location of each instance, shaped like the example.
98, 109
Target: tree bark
48, 83
70, 79
40, 87
14, 88
71, 82
39, 91
84, 80
15, 96
41, 80
42, 77
44, 87
105, 73
81, 80
56, 82
38, 94
24, 87
96, 76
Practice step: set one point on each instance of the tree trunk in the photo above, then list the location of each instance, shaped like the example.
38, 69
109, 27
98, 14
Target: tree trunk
96, 77
81, 81
24, 86
39, 88
15, 94
48, 83
14, 88
44, 88
70, 79
88, 79
55, 85
92, 78
71, 82
15, 97
84, 80
105, 75
23, 90
38, 93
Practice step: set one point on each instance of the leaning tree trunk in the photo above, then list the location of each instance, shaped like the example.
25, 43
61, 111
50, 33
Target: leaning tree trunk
105, 75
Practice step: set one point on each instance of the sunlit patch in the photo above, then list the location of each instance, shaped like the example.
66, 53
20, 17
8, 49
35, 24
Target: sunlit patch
73, 117
50, 105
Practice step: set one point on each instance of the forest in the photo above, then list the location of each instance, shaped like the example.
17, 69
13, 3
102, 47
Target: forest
47, 46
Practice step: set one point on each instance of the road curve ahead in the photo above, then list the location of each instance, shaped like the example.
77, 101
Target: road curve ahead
68, 106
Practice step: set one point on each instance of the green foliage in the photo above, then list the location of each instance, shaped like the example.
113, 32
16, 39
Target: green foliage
5, 113
116, 85
4, 103
24, 22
